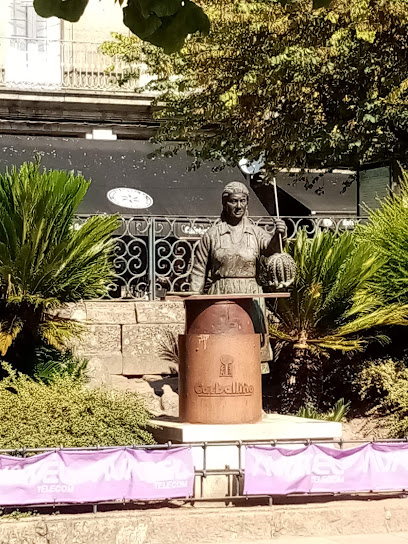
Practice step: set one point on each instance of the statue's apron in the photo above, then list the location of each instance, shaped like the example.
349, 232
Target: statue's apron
236, 274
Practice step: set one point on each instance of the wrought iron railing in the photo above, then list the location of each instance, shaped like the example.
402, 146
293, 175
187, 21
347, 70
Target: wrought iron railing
44, 64
156, 254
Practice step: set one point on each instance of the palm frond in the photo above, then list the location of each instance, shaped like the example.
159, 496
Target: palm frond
58, 332
278, 334
331, 303
337, 413
48, 371
382, 316
9, 330
339, 343
168, 348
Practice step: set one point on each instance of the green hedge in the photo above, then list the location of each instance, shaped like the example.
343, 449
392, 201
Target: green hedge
65, 413
384, 387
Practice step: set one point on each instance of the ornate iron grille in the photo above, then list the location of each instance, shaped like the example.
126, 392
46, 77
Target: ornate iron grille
156, 254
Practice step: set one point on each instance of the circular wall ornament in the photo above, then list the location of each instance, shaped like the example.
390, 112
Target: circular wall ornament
126, 197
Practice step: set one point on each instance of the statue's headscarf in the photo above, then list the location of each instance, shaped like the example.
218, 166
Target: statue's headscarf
233, 188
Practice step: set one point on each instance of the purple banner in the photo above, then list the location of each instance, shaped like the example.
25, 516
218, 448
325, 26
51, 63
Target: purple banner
93, 476
317, 469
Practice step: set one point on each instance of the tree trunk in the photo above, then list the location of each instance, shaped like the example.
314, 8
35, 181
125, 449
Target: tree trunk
302, 384
21, 354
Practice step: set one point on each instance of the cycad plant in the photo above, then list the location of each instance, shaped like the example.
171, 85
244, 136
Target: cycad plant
386, 232
331, 309
44, 261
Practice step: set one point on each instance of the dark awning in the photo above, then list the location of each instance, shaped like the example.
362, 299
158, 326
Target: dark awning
311, 193
124, 164
322, 193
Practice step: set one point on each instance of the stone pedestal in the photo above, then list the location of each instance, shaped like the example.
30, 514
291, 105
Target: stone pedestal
220, 378
213, 457
220, 395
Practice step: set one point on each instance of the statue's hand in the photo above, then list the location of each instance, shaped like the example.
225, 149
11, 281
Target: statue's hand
280, 227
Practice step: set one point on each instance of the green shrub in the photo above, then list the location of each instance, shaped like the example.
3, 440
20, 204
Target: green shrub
384, 386
65, 413
386, 233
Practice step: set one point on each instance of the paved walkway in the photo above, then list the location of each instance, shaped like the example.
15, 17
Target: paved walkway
378, 538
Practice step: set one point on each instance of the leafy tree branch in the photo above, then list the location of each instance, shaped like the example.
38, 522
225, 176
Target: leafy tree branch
302, 87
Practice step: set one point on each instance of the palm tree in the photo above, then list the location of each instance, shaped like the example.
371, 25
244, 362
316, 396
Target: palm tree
331, 309
44, 261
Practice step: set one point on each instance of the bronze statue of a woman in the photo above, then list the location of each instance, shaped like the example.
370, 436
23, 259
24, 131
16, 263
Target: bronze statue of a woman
228, 255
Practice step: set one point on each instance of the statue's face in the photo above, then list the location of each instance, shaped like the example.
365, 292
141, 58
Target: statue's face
235, 206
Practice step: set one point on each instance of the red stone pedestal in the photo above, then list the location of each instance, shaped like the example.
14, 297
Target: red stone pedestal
220, 362
220, 378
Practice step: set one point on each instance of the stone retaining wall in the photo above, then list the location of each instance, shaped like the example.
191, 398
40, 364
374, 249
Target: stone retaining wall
213, 525
123, 338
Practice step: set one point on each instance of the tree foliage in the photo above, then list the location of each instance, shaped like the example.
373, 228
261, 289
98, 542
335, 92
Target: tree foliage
165, 23
301, 87
44, 261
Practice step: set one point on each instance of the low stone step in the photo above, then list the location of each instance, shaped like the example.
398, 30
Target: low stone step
177, 524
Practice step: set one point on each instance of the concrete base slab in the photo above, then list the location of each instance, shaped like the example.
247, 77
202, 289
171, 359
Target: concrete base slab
272, 427
211, 456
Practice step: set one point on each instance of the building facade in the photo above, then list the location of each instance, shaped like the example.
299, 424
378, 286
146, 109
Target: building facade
55, 81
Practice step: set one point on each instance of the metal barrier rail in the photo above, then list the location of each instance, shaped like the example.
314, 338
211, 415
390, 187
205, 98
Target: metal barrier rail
234, 475
239, 443
156, 254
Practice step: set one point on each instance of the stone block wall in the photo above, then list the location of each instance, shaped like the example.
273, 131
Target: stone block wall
123, 338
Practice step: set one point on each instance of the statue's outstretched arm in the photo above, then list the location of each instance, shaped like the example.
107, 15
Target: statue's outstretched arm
200, 267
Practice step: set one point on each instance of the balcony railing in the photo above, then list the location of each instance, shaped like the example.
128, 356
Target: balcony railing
41, 64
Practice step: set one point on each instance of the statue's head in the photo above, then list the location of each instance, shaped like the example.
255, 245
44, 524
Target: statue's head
234, 202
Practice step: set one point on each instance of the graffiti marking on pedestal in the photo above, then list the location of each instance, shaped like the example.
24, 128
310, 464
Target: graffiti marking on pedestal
202, 339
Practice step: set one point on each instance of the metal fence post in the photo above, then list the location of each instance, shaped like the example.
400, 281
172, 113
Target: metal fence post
152, 258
